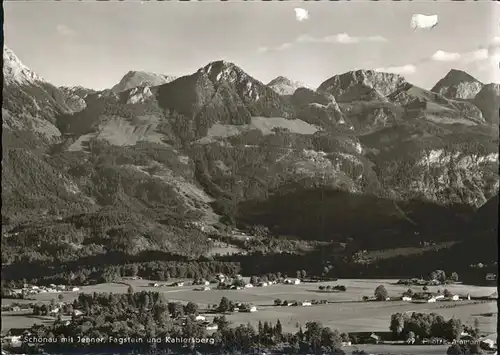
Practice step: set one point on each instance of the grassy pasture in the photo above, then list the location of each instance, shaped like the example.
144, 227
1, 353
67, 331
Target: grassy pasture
345, 314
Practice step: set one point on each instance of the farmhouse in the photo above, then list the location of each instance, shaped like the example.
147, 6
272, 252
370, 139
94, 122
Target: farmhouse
373, 339
16, 309
212, 327
178, 284
491, 276
263, 284
77, 313
406, 298
75, 289
454, 298
199, 318
305, 303
292, 281
431, 300
252, 309
205, 288
248, 285
488, 344
153, 284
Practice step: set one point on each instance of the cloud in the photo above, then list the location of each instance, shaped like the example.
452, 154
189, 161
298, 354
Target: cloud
340, 38
442, 56
404, 69
301, 14
65, 30
424, 22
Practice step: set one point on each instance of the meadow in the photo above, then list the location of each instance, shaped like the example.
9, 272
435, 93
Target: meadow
347, 312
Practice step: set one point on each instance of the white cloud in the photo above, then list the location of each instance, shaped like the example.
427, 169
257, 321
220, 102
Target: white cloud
404, 69
65, 30
442, 56
425, 22
340, 38
301, 14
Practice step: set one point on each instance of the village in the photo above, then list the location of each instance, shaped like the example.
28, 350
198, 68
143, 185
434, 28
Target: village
341, 304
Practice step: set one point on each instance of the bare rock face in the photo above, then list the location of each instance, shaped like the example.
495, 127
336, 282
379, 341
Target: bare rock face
383, 83
458, 85
134, 79
285, 86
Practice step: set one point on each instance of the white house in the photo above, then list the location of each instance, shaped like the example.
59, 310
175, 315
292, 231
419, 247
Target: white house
201, 318
54, 310
305, 303
263, 284
431, 300
406, 298
248, 285
77, 313
12, 339
488, 344
292, 281
206, 283
212, 327
75, 289
206, 288
253, 309
35, 287
439, 297
455, 298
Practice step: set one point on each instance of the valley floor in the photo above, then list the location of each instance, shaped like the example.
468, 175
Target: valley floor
347, 312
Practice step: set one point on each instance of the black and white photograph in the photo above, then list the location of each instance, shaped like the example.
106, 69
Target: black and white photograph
250, 177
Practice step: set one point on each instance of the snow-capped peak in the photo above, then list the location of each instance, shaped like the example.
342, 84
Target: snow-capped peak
285, 86
14, 71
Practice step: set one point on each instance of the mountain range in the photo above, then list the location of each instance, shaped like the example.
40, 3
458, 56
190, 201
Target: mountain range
160, 163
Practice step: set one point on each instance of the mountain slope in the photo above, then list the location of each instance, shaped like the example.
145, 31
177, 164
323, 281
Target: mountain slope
488, 101
457, 84
158, 167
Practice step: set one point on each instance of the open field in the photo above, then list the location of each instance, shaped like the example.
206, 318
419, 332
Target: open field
399, 349
366, 316
346, 314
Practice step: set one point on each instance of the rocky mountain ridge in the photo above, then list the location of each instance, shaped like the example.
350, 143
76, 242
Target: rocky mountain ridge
156, 167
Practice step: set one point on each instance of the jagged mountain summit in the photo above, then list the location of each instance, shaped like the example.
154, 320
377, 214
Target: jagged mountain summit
346, 86
134, 79
457, 84
14, 71
285, 86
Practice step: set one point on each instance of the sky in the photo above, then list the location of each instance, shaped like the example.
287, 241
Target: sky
93, 44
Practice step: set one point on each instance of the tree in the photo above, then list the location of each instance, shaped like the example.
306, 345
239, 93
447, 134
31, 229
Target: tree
192, 308
447, 293
130, 290
476, 327
253, 280
321, 288
397, 325
278, 330
454, 326
409, 292
454, 350
454, 277
381, 293
425, 288
60, 297
224, 305
277, 302
303, 274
